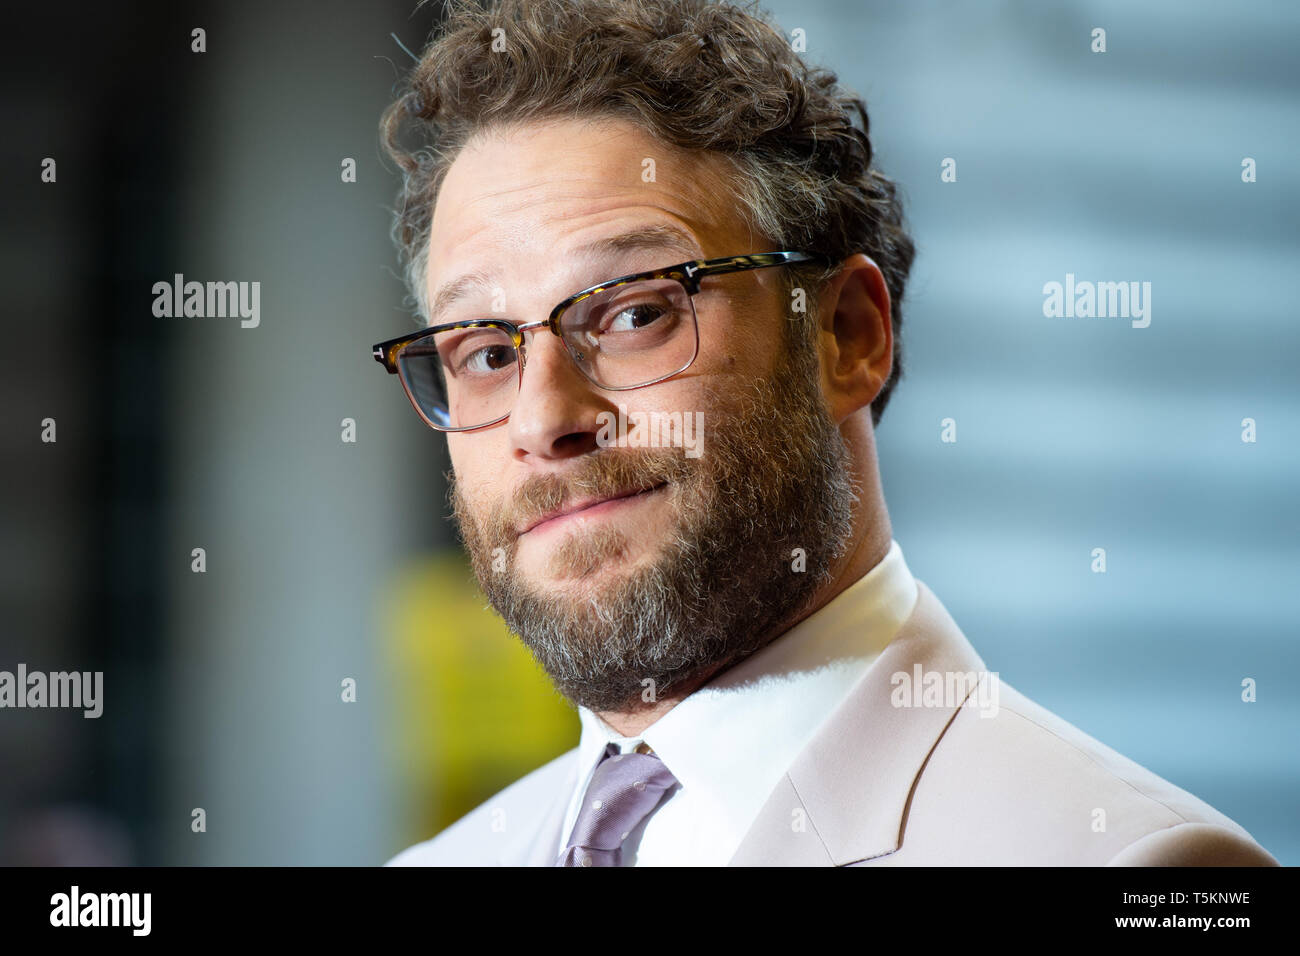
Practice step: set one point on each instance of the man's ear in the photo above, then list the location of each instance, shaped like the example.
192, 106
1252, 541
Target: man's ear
856, 336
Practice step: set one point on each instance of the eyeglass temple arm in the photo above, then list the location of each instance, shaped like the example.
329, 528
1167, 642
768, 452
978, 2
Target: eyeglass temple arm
760, 260
383, 352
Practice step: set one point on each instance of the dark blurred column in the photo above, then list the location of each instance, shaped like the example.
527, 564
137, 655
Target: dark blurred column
101, 92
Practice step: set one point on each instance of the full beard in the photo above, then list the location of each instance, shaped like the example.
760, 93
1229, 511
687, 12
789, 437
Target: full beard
773, 483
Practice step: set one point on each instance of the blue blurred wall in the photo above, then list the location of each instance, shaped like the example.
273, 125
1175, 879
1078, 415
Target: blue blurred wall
1074, 434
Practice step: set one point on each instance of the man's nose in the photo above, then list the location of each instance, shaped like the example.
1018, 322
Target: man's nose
555, 411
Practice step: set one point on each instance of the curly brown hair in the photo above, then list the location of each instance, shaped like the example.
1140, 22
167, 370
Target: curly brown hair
697, 75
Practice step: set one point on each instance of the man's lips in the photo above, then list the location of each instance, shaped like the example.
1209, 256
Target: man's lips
583, 504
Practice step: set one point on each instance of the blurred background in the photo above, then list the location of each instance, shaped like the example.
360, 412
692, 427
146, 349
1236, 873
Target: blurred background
331, 687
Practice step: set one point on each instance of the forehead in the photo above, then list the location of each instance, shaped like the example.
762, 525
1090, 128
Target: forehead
531, 202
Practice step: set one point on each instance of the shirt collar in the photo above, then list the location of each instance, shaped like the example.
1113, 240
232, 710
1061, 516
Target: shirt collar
730, 741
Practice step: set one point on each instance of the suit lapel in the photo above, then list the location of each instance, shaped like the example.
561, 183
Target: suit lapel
538, 845
844, 797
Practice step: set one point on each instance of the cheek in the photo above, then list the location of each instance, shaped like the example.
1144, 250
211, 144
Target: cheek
677, 396
719, 354
473, 472
743, 347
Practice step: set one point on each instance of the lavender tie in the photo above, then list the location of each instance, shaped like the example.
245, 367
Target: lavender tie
623, 791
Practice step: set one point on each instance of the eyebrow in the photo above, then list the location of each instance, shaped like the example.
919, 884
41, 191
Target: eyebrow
659, 237
655, 238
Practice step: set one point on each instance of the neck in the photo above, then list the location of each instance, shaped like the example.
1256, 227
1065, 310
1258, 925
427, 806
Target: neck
872, 534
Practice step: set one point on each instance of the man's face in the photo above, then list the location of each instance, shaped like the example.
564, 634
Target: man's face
682, 564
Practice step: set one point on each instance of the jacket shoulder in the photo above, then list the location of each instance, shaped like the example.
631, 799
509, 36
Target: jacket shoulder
477, 837
1035, 789
1194, 844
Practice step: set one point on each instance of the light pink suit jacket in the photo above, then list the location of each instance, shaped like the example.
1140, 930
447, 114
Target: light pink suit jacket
887, 785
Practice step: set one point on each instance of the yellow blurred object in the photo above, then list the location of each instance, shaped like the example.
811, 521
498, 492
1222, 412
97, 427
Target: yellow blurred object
475, 710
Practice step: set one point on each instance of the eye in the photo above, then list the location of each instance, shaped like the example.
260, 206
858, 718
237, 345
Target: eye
631, 318
491, 358
476, 352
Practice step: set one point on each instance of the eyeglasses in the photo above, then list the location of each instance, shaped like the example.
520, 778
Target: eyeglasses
626, 333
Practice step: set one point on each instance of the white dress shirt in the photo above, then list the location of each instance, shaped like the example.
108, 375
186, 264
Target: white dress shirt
729, 743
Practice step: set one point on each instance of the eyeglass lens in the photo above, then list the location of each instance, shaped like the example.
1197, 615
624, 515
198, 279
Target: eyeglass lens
621, 337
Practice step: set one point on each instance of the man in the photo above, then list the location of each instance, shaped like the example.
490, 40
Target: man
662, 284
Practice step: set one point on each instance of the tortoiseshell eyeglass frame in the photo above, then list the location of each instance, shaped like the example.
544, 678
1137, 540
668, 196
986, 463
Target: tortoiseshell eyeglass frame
688, 274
